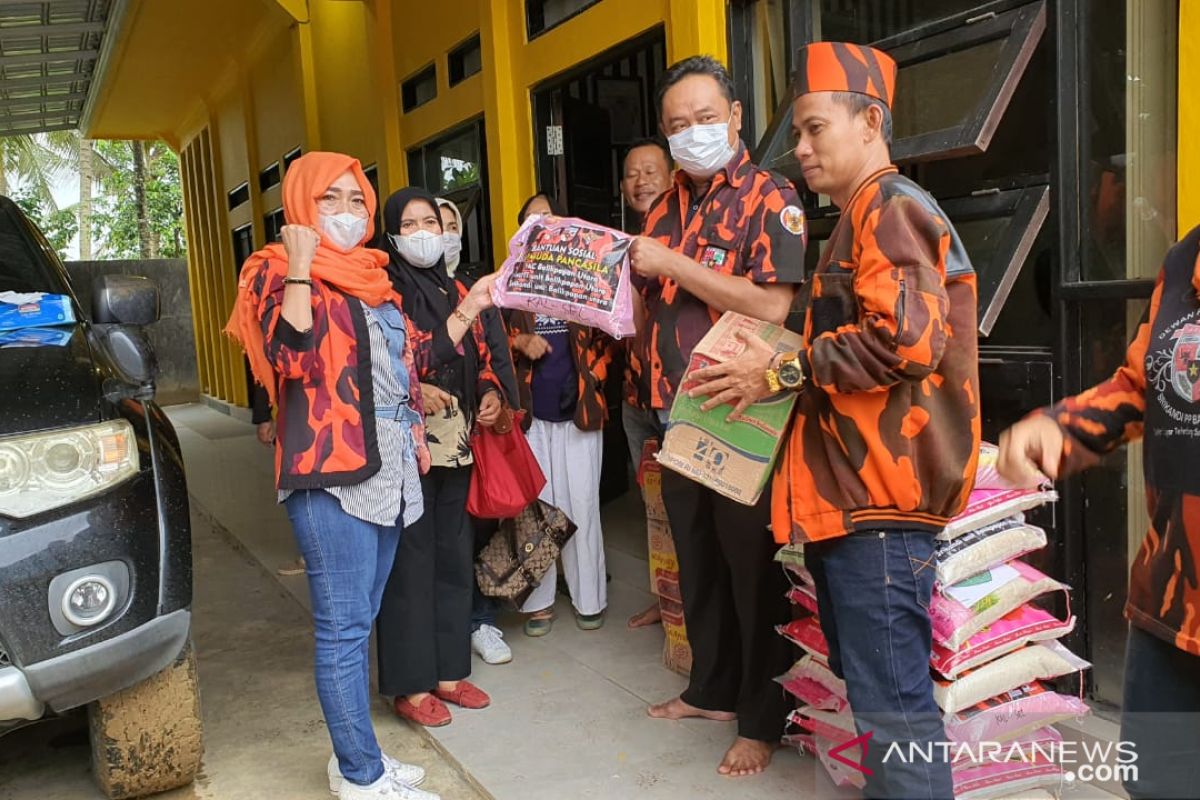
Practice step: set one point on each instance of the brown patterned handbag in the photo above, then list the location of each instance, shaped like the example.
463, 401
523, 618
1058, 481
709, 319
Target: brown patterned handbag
513, 563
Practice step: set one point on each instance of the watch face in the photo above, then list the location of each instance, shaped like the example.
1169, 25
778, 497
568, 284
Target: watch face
790, 374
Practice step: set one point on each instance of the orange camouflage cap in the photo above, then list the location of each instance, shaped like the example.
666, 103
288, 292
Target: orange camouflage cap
845, 67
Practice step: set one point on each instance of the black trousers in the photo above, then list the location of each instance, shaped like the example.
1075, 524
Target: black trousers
733, 597
424, 623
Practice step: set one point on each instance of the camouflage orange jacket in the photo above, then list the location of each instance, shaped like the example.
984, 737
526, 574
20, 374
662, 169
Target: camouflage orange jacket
591, 351
1155, 395
887, 428
326, 420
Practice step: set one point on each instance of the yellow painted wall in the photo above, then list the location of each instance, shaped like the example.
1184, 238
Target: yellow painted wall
1188, 164
278, 108
349, 116
232, 139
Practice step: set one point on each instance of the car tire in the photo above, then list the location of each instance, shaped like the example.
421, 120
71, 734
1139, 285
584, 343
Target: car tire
149, 737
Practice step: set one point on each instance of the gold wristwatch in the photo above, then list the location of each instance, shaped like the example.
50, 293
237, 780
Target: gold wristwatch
787, 374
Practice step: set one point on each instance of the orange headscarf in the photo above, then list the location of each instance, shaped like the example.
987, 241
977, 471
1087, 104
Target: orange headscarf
359, 273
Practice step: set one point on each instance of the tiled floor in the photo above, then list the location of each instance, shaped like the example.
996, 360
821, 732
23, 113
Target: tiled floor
568, 715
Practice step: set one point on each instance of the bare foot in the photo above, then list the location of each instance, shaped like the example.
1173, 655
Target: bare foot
746, 757
651, 616
447, 686
675, 708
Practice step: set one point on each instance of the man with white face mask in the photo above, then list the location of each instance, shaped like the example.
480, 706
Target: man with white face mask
726, 236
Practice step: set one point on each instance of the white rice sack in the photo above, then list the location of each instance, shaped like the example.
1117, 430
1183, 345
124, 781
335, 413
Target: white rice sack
1040, 661
987, 506
986, 547
962, 610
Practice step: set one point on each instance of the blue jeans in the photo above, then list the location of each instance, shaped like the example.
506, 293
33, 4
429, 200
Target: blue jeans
873, 592
348, 562
483, 608
640, 424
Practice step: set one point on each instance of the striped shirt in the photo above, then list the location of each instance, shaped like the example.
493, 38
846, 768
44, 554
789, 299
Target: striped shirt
396, 487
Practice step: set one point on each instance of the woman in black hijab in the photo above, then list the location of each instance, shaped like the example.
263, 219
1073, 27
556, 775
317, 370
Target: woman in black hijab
424, 619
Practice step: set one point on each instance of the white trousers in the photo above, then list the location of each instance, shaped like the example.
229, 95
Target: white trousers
570, 459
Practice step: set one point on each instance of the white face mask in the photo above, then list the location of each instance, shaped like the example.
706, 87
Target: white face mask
421, 249
452, 244
702, 150
345, 231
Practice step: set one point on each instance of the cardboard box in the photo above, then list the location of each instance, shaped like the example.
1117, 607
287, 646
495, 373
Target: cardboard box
732, 458
664, 565
677, 652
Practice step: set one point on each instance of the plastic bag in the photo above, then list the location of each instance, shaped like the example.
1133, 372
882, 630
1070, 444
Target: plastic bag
806, 633
987, 547
507, 478
986, 474
994, 781
960, 611
809, 691
1012, 631
570, 269
986, 506
805, 597
1034, 662
1013, 714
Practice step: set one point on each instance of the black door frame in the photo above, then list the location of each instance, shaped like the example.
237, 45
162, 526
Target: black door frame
1067, 220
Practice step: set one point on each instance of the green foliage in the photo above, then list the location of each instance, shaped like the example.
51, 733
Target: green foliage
58, 225
115, 219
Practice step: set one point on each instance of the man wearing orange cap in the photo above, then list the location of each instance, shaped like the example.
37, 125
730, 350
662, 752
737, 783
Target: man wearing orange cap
883, 449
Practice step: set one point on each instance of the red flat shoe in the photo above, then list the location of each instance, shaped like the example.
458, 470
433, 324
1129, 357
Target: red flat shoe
467, 695
430, 712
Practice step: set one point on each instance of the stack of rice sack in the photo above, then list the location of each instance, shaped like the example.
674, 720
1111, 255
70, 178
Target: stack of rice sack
664, 564
994, 646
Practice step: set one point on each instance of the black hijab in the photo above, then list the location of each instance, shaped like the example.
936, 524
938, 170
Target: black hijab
429, 297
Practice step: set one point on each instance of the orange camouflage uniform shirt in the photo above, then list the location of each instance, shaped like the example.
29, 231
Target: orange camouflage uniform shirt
1155, 395
750, 225
887, 428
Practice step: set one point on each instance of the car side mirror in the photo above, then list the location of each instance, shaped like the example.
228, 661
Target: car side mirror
124, 300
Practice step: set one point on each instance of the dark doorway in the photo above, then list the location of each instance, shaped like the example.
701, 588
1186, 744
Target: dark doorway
584, 122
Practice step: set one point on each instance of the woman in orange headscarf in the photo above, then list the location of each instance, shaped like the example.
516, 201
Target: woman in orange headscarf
325, 334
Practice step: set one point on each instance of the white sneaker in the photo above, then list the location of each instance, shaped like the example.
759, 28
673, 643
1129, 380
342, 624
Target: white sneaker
488, 642
409, 774
386, 788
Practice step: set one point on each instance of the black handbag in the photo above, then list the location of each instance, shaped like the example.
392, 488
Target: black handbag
513, 563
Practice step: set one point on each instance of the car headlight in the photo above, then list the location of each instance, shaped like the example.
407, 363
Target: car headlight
42, 471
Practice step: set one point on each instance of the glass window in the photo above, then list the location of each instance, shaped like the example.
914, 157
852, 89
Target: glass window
290, 157
419, 89
26, 264
243, 246
454, 167
239, 195
542, 15
867, 21
273, 223
465, 60
1128, 138
955, 81
448, 164
269, 177
998, 229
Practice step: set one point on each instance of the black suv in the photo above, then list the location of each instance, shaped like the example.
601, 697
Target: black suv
95, 539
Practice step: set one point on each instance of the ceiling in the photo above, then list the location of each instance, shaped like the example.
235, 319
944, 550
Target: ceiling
48, 55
